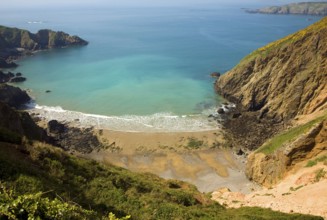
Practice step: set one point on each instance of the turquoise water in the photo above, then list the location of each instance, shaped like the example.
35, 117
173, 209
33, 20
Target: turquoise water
143, 61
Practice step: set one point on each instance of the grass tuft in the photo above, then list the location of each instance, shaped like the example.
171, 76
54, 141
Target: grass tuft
290, 135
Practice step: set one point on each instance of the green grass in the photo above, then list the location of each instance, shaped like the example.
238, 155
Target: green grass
321, 173
264, 51
314, 162
290, 135
194, 143
99, 189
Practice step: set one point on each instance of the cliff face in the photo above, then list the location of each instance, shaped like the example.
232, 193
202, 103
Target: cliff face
276, 83
15, 42
283, 79
270, 168
11, 38
305, 8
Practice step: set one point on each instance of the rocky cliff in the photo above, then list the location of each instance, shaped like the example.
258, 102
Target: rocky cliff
269, 166
304, 8
13, 96
15, 42
280, 82
283, 79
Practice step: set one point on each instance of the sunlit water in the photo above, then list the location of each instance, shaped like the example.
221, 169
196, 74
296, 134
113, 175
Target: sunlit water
148, 66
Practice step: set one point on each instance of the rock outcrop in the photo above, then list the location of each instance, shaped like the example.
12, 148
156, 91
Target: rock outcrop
16, 42
13, 96
69, 138
269, 169
283, 79
303, 8
15, 125
271, 87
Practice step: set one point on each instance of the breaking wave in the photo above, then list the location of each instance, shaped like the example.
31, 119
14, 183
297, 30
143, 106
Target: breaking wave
158, 122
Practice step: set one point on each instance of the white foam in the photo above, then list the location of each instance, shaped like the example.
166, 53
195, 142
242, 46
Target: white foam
35, 22
158, 122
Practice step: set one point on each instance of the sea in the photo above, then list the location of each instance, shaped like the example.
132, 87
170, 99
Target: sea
145, 68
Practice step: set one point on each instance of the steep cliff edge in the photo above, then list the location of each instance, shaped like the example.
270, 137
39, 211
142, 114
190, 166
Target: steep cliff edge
276, 85
271, 162
16, 42
283, 79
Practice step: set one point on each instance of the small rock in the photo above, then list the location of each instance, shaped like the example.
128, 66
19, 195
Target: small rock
215, 75
221, 111
48, 91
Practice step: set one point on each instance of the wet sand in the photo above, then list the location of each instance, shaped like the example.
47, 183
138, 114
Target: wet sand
176, 155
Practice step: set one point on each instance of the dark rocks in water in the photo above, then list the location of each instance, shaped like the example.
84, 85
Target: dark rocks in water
47, 91
5, 64
69, 138
18, 79
4, 77
221, 111
215, 75
13, 96
11, 77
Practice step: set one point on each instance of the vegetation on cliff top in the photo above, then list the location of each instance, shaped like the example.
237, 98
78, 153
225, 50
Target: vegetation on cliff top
43, 39
305, 8
284, 79
280, 140
263, 51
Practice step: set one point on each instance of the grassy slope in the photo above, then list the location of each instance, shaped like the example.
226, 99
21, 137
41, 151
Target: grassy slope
286, 137
263, 51
107, 189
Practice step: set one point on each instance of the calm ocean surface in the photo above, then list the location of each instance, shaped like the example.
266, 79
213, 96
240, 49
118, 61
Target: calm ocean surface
143, 62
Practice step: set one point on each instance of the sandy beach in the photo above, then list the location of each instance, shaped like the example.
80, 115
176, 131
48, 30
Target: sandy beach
196, 157
199, 157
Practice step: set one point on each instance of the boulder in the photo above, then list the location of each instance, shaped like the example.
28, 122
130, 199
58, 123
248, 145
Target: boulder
18, 79
215, 75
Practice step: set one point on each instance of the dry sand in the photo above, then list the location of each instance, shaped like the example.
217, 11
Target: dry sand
299, 192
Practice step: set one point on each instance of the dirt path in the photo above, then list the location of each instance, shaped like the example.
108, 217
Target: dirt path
304, 191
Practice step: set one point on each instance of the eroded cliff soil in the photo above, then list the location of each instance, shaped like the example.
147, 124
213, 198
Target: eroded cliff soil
283, 79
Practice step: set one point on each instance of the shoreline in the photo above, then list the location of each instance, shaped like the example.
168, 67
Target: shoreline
154, 123
198, 157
